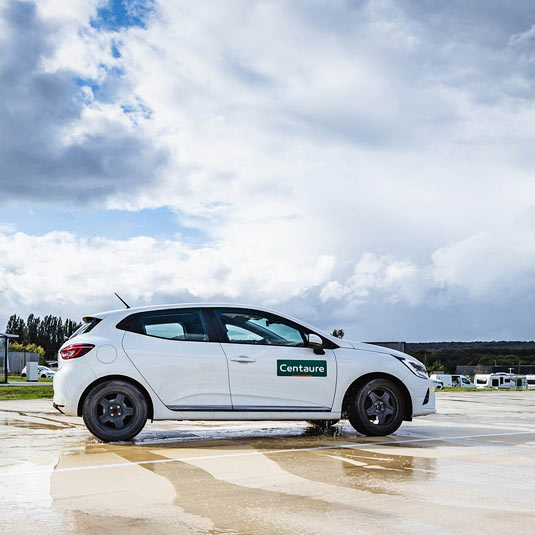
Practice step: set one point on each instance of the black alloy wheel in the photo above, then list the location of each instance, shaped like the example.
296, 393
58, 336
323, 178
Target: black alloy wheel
377, 409
115, 411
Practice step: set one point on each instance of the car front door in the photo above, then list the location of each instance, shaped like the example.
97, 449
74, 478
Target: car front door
270, 366
173, 352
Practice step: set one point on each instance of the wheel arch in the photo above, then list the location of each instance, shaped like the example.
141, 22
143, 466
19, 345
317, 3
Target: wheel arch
363, 379
106, 378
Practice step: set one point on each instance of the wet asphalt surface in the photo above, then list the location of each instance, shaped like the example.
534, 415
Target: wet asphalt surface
468, 468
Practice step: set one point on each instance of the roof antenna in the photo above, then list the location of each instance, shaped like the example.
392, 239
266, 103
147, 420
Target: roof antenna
122, 300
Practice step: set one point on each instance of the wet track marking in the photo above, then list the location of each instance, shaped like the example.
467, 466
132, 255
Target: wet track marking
266, 452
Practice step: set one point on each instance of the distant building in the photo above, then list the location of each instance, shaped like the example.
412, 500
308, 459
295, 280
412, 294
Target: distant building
17, 360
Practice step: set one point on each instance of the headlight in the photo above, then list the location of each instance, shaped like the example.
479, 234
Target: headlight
414, 366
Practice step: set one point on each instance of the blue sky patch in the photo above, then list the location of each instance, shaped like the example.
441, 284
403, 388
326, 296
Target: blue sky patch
115, 52
118, 14
159, 223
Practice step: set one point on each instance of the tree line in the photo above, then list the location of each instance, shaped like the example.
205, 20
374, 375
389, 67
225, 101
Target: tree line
446, 356
49, 332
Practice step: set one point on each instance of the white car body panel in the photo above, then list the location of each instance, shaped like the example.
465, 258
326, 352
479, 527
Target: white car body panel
182, 373
253, 384
203, 373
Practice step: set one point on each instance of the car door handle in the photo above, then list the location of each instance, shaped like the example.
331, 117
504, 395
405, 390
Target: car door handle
243, 359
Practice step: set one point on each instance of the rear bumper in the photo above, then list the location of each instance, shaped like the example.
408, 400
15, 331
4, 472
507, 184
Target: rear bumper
69, 384
57, 407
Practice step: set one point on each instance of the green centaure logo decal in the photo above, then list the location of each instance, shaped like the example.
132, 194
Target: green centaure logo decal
302, 368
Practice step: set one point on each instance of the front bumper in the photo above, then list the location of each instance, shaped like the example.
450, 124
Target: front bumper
425, 404
422, 394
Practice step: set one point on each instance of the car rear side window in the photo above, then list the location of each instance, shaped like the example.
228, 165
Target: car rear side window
185, 325
87, 325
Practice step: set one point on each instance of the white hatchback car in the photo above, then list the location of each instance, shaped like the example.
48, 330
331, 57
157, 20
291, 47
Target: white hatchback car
44, 372
230, 362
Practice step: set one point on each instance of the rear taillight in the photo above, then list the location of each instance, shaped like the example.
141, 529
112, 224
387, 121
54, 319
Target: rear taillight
75, 350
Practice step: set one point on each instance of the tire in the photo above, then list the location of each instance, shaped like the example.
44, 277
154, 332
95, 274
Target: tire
115, 411
377, 408
43, 376
23, 375
322, 424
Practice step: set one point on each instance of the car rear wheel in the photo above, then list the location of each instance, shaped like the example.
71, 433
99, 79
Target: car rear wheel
115, 411
377, 408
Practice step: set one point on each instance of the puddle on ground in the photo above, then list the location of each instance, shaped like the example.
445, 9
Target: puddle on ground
228, 477
30, 425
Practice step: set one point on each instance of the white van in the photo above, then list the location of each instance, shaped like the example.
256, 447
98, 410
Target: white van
531, 382
459, 381
502, 380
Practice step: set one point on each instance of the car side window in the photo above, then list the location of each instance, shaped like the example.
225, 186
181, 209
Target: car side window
252, 327
239, 334
186, 325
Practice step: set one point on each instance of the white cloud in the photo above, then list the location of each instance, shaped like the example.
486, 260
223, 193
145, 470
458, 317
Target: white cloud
59, 269
59, 143
491, 267
497, 265
333, 153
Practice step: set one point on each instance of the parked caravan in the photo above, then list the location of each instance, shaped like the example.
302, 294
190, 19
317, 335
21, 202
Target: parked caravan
459, 381
507, 381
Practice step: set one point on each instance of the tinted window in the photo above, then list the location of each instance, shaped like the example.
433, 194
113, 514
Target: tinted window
239, 334
251, 327
174, 325
495, 382
87, 325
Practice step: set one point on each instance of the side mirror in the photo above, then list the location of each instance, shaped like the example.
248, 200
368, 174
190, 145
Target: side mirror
316, 343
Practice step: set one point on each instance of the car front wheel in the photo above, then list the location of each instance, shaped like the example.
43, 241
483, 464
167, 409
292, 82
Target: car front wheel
377, 408
115, 411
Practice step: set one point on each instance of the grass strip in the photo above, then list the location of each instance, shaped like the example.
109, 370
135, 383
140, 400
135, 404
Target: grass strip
19, 379
26, 392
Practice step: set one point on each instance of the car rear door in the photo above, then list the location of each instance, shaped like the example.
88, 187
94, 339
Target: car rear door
270, 366
173, 351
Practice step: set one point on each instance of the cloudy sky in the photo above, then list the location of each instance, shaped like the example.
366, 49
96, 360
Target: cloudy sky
368, 165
